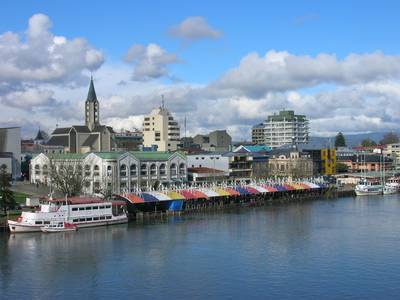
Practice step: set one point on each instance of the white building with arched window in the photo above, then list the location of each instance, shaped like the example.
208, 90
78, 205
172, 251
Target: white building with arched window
116, 171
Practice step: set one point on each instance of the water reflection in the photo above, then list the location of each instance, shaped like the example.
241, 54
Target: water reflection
304, 250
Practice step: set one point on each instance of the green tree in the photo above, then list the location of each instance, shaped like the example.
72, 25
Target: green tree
390, 138
340, 141
341, 168
368, 142
7, 199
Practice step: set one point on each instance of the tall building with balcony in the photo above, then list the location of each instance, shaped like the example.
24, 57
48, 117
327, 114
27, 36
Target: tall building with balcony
160, 129
282, 129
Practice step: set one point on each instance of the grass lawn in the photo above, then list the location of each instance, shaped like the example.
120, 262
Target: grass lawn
20, 198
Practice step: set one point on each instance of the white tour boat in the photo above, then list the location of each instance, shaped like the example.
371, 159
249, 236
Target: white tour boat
58, 227
366, 188
79, 211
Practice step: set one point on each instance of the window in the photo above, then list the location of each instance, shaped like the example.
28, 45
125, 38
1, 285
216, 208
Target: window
95, 218
46, 222
88, 208
108, 206
82, 219
81, 208
133, 170
143, 170
101, 207
153, 169
74, 209
182, 169
173, 170
102, 217
122, 170
162, 169
75, 220
108, 217
87, 170
89, 219
95, 207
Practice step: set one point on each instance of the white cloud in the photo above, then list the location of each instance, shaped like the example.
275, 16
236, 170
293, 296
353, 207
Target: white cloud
281, 71
129, 123
40, 56
28, 99
150, 62
194, 28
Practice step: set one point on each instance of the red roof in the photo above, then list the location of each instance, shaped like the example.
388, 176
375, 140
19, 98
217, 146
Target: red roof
86, 200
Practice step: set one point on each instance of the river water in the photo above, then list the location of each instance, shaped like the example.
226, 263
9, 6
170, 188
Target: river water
345, 248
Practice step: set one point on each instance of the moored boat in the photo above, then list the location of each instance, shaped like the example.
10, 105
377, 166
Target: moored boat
366, 188
388, 190
79, 211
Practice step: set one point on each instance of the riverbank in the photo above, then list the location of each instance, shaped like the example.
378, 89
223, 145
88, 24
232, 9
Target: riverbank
224, 202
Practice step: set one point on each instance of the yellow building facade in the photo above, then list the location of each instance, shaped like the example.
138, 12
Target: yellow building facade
328, 160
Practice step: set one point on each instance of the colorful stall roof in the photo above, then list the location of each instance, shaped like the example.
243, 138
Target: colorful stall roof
222, 192
212, 192
232, 191
174, 195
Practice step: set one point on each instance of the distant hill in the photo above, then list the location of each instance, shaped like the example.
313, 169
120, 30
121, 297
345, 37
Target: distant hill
351, 139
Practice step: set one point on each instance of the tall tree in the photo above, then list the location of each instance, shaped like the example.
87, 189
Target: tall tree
7, 199
68, 179
340, 141
390, 138
368, 142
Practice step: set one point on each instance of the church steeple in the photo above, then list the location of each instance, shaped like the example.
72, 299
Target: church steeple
92, 109
92, 93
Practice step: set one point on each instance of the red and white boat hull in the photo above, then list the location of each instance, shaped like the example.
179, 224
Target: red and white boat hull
17, 227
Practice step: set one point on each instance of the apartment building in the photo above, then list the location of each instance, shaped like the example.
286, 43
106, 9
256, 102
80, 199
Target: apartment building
282, 129
161, 130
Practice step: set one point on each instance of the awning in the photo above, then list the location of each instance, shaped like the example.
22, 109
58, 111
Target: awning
209, 192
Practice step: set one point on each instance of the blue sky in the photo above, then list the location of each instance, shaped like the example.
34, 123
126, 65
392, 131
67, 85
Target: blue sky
300, 28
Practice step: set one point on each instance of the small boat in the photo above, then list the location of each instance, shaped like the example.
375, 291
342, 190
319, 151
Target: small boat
58, 227
390, 189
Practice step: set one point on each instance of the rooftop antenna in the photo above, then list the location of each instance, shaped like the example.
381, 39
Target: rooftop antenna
162, 101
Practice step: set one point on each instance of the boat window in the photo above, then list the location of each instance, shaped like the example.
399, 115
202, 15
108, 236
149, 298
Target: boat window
102, 217
88, 207
82, 219
95, 207
108, 206
46, 222
81, 208
76, 220
108, 217
95, 218
89, 219
101, 207
38, 222
74, 209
